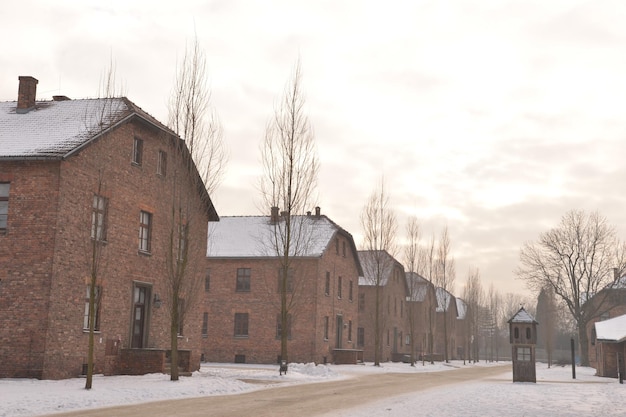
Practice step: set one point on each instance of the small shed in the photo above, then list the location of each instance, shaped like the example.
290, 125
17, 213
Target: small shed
523, 338
610, 337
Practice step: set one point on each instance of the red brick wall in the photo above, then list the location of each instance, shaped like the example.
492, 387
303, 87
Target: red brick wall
141, 361
25, 265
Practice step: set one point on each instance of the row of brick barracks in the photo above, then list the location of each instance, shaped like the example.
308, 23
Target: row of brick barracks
77, 171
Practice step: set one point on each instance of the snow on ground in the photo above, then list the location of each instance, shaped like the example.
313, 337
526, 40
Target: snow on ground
555, 393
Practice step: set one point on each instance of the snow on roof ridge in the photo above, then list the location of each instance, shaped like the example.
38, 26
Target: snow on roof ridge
52, 129
522, 316
249, 236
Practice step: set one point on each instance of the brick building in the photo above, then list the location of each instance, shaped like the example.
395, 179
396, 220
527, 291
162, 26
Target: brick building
607, 304
463, 331
241, 305
446, 318
384, 275
421, 303
75, 172
610, 345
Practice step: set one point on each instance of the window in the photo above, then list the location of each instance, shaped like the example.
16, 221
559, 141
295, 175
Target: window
343, 248
350, 291
516, 333
241, 324
339, 285
523, 354
395, 306
205, 325
327, 285
326, 328
96, 306
528, 333
279, 326
145, 230
243, 279
207, 281
162, 164
4, 204
137, 151
349, 330
337, 246
360, 336
407, 339
387, 337
361, 302
288, 284
98, 218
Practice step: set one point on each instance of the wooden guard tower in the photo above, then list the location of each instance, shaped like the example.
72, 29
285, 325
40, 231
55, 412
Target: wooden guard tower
523, 337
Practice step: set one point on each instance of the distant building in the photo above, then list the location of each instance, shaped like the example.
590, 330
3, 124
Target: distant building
607, 304
421, 302
241, 305
610, 346
393, 290
446, 317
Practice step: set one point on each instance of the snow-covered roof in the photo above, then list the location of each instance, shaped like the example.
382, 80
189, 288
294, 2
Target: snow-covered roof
611, 330
443, 299
461, 309
52, 129
56, 129
418, 287
371, 261
251, 236
522, 316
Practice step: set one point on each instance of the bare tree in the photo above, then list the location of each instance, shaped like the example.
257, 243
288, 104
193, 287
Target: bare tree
379, 227
430, 269
494, 306
290, 165
473, 297
194, 119
415, 261
577, 260
100, 116
201, 160
444, 279
547, 316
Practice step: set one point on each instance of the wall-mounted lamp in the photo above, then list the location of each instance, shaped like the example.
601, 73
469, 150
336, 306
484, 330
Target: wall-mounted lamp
156, 300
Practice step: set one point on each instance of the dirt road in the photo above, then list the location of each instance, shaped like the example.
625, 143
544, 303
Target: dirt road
304, 400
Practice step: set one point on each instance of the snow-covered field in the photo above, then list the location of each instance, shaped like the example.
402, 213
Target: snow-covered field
555, 393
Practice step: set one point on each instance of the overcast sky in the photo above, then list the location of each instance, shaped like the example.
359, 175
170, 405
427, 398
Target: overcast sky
493, 117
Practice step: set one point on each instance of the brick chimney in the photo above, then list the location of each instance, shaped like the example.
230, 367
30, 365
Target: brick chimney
26, 94
317, 212
274, 215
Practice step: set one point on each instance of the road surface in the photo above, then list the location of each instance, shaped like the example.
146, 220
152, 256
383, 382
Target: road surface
304, 400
